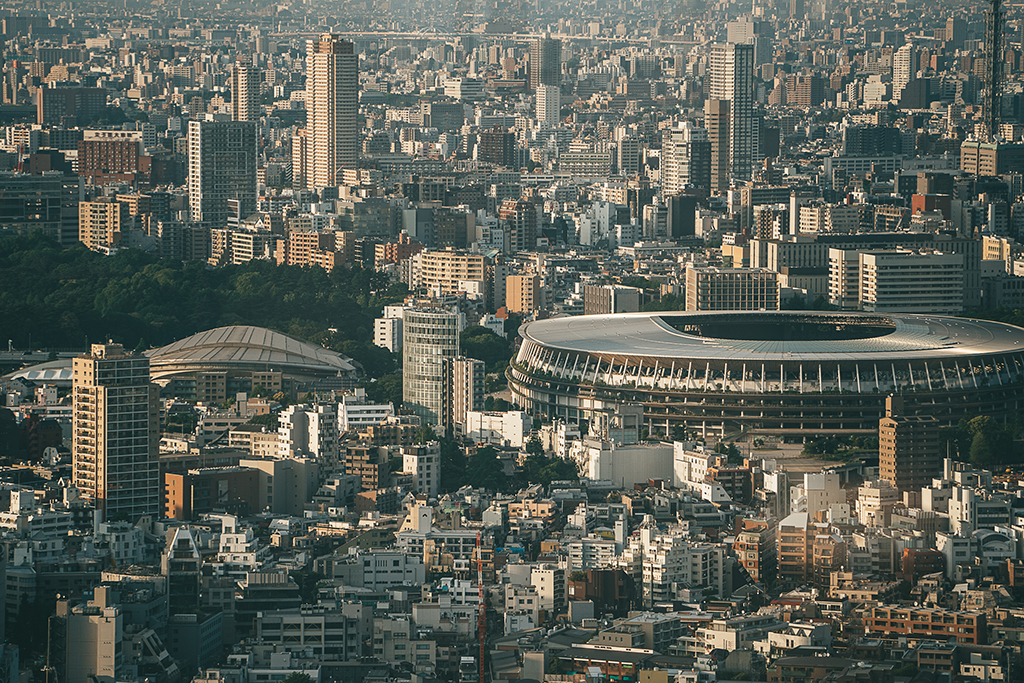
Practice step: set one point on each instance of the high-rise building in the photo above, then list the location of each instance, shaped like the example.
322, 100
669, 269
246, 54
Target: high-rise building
429, 338
549, 104
716, 121
465, 388
545, 62
909, 447
731, 76
520, 218
993, 76
902, 70
685, 159
956, 32
332, 108
221, 167
245, 92
116, 433
497, 146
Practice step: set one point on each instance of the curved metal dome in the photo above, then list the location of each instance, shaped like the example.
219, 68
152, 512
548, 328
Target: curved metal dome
246, 347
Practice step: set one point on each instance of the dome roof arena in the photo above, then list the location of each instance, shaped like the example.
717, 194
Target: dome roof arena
240, 348
770, 372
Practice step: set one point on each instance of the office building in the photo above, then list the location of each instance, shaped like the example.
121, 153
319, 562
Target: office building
909, 447
443, 271
221, 168
115, 433
332, 108
110, 156
245, 91
549, 105
898, 281
731, 77
69, 106
45, 203
429, 337
604, 299
731, 289
545, 62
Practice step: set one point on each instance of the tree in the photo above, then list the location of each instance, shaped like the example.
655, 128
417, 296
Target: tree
534, 446
386, 389
486, 471
297, 677
483, 344
453, 466
425, 434
982, 456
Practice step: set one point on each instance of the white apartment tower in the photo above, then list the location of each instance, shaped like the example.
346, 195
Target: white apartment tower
245, 91
116, 433
332, 107
731, 76
549, 103
902, 70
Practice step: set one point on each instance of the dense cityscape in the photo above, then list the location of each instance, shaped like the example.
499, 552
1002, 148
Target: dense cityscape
583, 342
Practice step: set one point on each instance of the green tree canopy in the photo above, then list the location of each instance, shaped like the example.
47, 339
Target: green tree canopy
71, 296
483, 344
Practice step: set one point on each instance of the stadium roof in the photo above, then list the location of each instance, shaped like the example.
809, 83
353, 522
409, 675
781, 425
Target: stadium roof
656, 335
242, 345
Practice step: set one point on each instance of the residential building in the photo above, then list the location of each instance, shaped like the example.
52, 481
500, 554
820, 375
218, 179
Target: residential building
731, 77
424, 463
429, 338
221, 169
116, 433
332, 106
909, 447
545, 62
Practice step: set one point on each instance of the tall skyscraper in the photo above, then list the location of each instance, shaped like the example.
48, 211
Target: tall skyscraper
545, 62
332, 108
994, 19
115, 453
245, 92
731, 71
716, 120
549, 104
902, 70
221, 167
430, 338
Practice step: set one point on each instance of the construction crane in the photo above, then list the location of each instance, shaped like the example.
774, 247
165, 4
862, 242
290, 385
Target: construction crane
482, 618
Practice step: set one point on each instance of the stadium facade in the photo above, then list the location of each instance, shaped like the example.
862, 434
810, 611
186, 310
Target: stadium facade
785, 373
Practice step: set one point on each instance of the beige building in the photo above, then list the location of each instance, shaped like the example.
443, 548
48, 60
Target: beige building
465, 387
731, 289
443, 271
245, 91
523, 294
115, 446
332, 108
102, 224
909, 447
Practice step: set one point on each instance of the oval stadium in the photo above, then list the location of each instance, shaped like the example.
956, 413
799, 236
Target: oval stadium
784, 373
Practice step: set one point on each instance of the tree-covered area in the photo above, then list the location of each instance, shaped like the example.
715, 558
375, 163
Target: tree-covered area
483, 344
68, 297
987, 444
1013, 316
840, 447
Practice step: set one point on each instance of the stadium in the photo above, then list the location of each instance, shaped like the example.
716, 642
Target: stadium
784, 373
218, 363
